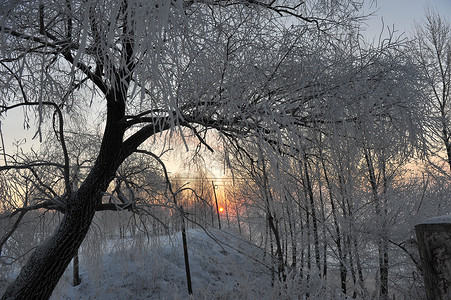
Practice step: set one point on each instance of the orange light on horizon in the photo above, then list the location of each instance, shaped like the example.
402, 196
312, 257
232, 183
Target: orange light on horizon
221, 209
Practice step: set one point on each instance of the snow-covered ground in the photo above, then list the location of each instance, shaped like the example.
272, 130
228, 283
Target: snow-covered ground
228, 268
224, 265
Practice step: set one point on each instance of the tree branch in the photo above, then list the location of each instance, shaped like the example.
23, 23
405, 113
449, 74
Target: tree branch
61, 136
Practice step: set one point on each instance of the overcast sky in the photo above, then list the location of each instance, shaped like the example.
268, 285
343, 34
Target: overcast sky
403, 13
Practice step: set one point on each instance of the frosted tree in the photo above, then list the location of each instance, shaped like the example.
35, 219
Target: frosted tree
153, 66
381, 130
432, 50
361, 123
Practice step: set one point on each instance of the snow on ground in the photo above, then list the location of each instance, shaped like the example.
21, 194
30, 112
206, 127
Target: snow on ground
155, 270
224, 265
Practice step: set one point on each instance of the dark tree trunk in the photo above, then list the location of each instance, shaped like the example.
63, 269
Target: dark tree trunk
308, 186
351, 265
343, 271
272, 222
292, 227
381, 212
324, 228
301, 225
38, 278
446, 135
279, 254
47, 264
359, 265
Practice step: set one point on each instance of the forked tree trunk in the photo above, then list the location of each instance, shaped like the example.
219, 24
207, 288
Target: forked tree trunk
41, 273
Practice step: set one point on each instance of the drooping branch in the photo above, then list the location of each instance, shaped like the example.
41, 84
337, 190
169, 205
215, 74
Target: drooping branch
163, 166
12, 230
61, 137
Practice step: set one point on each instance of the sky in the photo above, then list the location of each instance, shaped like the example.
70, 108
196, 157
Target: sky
403, 14
400, 13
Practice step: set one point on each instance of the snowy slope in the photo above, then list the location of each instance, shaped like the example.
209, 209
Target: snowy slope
155, 270
223, 265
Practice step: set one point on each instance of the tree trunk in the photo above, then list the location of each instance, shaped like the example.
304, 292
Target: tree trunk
13, 229
301, 224
47, 264
351, 265
279, 254
38, 278
343, 271
359, 267
324, 228
309, 188
434, 244
292, 227
383, 268
381, 211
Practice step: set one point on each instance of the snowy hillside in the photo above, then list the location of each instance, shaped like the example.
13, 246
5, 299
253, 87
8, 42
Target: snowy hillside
230, 268
223, 266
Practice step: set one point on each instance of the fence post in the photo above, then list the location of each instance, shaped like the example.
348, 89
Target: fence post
434, 245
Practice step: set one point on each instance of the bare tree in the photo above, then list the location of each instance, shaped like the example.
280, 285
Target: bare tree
432, 50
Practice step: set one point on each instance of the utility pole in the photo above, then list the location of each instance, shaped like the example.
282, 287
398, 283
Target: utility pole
185, 254
217, 208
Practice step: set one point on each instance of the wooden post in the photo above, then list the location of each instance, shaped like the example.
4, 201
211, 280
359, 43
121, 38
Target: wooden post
434, 245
